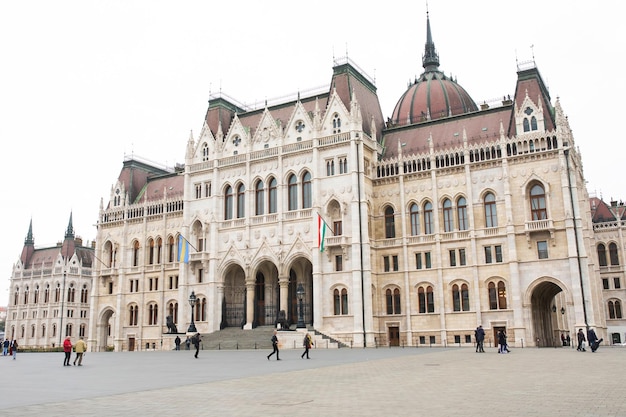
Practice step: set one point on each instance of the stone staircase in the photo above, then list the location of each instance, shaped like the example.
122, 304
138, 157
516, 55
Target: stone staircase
234, 338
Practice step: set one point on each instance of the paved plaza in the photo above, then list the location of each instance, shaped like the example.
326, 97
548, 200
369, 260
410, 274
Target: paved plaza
346, 382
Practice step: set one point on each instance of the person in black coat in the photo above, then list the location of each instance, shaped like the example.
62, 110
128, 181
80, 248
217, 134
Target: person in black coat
581, 341
275, 346
594, 343
196, 343
479, 335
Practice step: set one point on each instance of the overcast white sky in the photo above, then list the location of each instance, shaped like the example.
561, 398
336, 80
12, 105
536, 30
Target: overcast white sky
83, 83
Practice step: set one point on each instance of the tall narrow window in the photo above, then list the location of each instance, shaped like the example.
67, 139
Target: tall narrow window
292, 190
415, 219
344, 301
421, 300
465, 297
538, 203
336, 124
241, 201
501, 295
336, 303
491, 217
136, 253
306, 190
602, 254
428, 218
393, 301
390, 223
151, 252
461, 212
493, 296
259, 198
273, 195
456, 298
613, 254
228, 203
171, 248
448, 220
430, 300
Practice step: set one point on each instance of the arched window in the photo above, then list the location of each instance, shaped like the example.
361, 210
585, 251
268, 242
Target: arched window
136, 253
205, 152
259, 198
241, 201
159, 249
36, 295
533, 123
228, 203
491, 217
456, 298
448, 218
330, 168
336, 124
340, 301
153, 314
393, 301
461, 213
460, 297
43, 330
613, 254
306, 190
292, 190
273, 195
46, 294
426, 300
601, 254
200, 314
150, 251
538, 203
618, 309
465, 297
26, 291
526, 125
133, 312
611, 310
84, 295
428, 218
390, 223
171, 248
497, 296
415, 219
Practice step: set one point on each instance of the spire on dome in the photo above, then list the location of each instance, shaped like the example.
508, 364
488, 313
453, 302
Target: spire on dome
69, 233
430, 60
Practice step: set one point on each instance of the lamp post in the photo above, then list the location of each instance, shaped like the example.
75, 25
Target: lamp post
300, 294
192, 303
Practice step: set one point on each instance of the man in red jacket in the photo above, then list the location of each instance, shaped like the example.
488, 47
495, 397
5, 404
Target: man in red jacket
67, 348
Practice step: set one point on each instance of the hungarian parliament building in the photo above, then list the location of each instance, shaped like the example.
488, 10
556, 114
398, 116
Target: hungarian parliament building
319, 212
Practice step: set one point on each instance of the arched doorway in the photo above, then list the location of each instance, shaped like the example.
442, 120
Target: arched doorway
301, 272
266, 295
545, 314
104, 330
234, 301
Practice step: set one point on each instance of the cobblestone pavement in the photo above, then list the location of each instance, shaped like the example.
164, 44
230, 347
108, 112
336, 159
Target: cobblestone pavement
347, 382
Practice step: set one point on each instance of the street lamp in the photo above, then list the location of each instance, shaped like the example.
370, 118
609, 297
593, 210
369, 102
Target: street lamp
192, 303
300, 294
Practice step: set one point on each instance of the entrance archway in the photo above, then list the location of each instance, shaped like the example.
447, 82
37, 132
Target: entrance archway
234, 302
103, 330
266, 295
301, 272
544, 316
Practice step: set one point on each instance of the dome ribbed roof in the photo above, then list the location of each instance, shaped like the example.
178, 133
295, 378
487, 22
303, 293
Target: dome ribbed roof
433, 95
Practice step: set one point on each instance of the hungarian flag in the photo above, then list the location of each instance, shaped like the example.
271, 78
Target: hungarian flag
321, 232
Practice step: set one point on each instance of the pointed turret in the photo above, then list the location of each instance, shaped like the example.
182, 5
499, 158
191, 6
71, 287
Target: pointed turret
69, 243
29, 245
69, 233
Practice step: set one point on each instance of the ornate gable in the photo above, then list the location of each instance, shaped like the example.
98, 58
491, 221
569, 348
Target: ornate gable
268, 133
529, 116
237, 140
336, 118
300, 126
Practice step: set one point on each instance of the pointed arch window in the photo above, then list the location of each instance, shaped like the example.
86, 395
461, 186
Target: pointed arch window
602, 254
340, 301
336, 124
461, 213
205, 152
613, 254
228, 203
171, 249
428, 218
133, 313
460, 297
259, 198
159, 250
136, 253
526, 125
615, 309
84, 295
538, 203
491, 215
241, 201
390, 223
273, 195
533, 123
151, 252
153, 314
306, 190
172, 311
448, 219
415, 219
426, 300
292, 191
392, 299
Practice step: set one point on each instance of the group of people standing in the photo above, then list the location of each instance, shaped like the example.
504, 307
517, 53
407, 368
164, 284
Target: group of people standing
592, 338
9, 348
479, 335
80, 347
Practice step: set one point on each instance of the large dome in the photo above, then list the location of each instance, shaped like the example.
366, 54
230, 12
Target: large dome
433, 95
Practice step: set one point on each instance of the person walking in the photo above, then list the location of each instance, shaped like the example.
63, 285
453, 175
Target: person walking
479, 335
80, 349
581, 341
13, 348
502, 342
594, 343
196, 343
5, 347
307, 343
67, 348
177, 342
275, 346
187, 343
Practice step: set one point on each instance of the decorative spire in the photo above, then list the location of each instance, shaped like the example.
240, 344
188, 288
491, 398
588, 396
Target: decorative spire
69, 233
430, 60
30, 240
